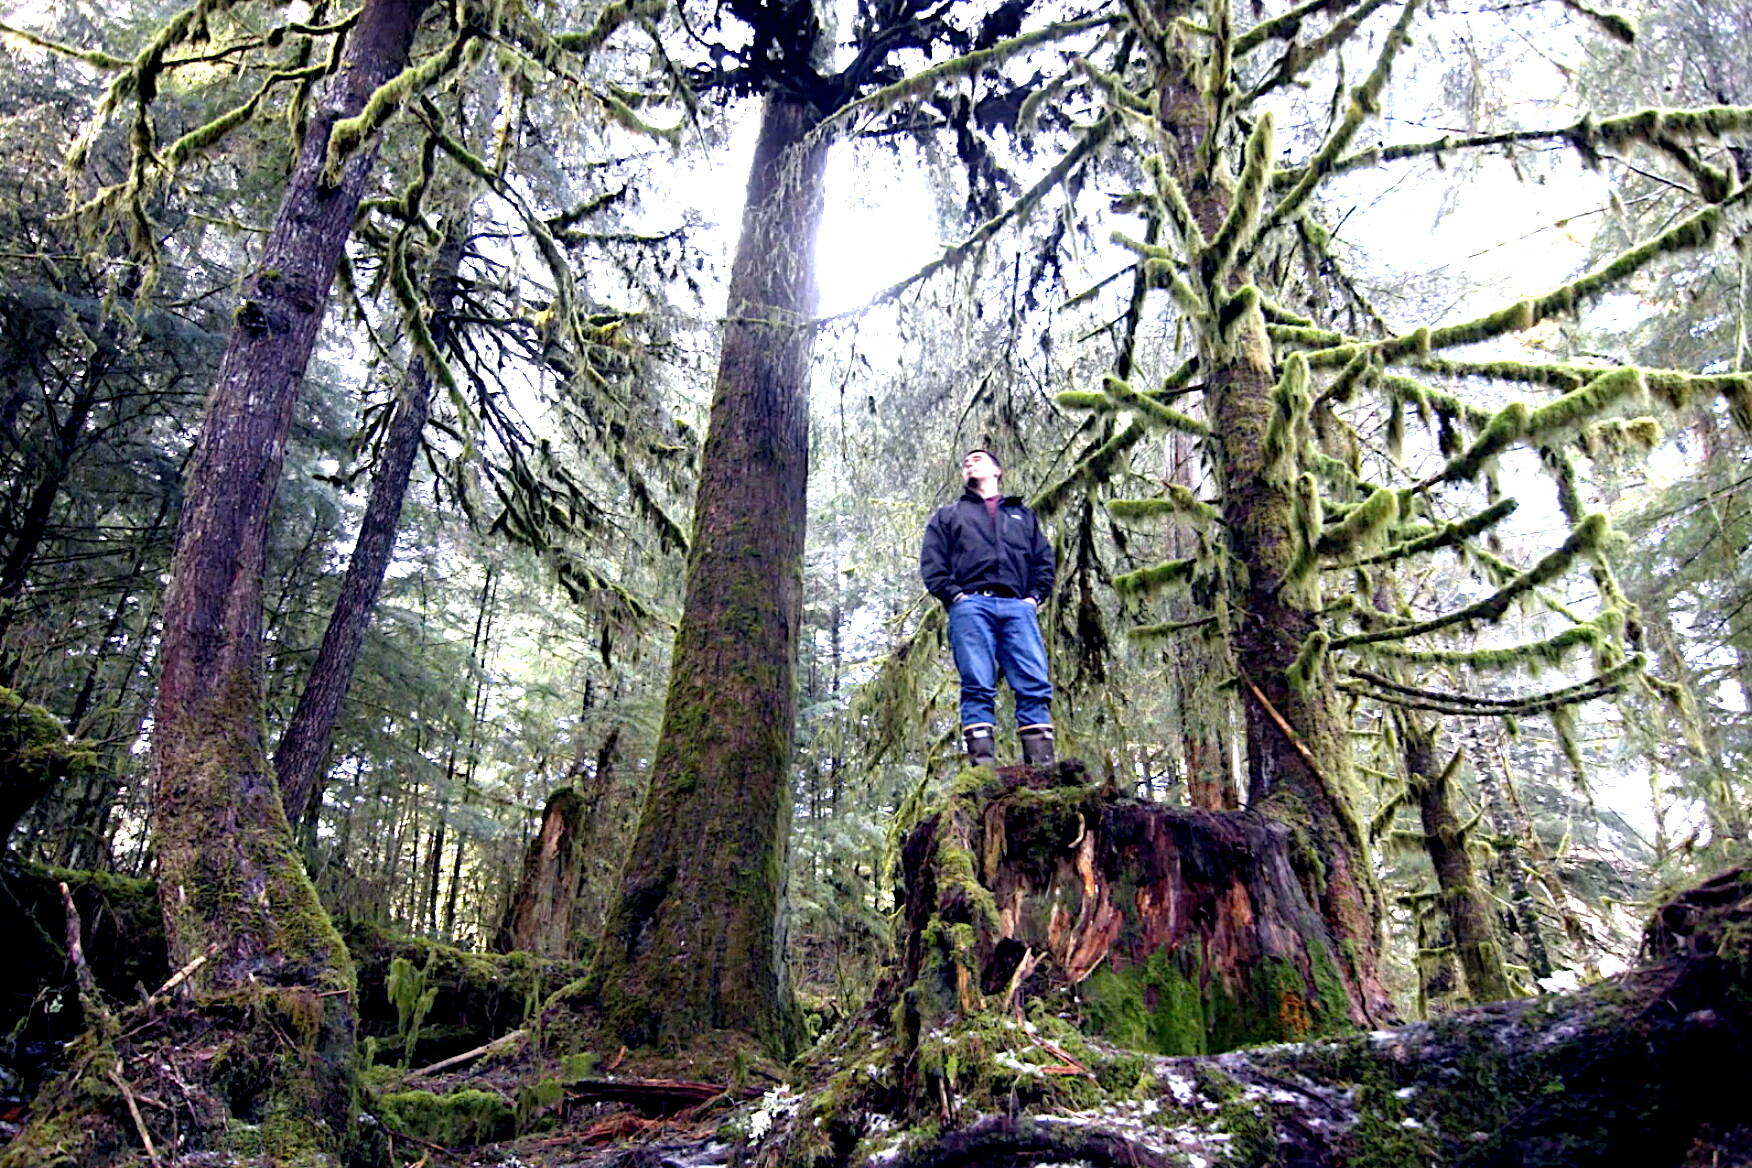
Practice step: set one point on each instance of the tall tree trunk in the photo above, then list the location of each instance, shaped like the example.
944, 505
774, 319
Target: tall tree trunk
713, 826
1471, 929
229, 878
306, 740
1299, 762
1196, 664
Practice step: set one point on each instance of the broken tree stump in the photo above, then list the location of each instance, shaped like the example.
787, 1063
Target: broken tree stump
1171, 930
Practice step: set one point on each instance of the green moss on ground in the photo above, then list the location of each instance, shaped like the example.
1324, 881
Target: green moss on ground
458, 1119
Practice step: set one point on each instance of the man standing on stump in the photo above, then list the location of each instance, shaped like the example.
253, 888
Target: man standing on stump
986, 558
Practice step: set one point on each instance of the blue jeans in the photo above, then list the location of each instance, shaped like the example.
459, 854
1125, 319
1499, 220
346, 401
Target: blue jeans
986, 632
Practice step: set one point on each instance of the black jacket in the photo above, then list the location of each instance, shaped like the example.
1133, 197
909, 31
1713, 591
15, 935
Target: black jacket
963, 553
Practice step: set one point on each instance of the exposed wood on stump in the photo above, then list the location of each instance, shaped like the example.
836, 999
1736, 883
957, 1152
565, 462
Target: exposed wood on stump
1175, 930
539, 918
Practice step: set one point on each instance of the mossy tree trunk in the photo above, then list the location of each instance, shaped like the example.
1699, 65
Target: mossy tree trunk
1299, 767
273, 993
299, 755
693, 943
1471, 926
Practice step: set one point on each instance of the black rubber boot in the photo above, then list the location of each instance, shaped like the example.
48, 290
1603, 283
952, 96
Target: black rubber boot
1036, 745
982, 747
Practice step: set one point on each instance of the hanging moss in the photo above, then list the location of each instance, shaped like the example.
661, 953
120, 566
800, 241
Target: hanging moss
1508, 426
1306, 667
1363, 528
1287, 431
1174, 204
1549, 422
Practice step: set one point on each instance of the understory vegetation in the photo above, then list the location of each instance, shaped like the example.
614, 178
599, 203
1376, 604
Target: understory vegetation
466, 695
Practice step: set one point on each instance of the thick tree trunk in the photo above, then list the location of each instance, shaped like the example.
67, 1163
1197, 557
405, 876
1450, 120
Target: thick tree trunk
303, 746
1471, 928
1299, 765
275, 982
694, 942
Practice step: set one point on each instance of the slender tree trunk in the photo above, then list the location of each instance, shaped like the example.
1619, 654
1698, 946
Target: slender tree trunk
229, 878
1298, 749
302, 747
483, 632
1511, 864
1471, 930
713, 827
33, 524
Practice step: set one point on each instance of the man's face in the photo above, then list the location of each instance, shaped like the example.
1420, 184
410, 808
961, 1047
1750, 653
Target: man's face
979, 465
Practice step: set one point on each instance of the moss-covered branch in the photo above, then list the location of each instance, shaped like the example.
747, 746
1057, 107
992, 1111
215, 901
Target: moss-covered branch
1585, 539
1587, 135
1365, 101
1091, 140
926, 81
1604, 684
1550, 652
1180, 502
1446, 535
1156, 577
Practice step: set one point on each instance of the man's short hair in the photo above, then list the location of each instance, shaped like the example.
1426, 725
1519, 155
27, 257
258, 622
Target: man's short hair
998, 462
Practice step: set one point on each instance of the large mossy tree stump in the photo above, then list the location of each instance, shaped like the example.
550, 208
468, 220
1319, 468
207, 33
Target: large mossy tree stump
1020, 892
1165, 929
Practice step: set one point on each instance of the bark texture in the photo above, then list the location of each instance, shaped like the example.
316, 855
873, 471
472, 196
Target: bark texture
693, 942
1471, 927
299, 755
271, 996
1299, 768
